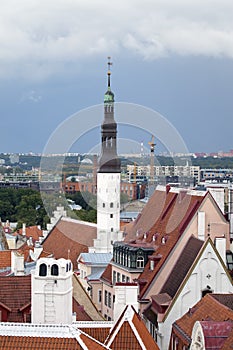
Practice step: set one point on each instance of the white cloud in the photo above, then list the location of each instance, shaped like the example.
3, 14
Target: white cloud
31, 96
39, 37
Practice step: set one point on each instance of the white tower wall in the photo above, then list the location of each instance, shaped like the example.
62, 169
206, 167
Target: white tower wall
108, 211
52, 294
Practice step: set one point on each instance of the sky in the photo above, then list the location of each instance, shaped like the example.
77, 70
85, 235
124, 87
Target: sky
172, 56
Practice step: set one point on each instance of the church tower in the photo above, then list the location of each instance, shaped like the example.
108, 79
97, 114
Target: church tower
108, 179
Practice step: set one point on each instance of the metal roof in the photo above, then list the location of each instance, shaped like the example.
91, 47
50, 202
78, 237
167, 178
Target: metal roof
95, 258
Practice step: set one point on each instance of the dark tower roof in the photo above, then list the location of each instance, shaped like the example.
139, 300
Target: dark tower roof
109, 161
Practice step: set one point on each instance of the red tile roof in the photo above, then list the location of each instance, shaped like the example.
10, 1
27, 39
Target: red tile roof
38, 343
5, 258
165, 222
208, 308
130, 332
70, 238
32, 231
26, 249
98, 333
107, 274
15, 294
91, 343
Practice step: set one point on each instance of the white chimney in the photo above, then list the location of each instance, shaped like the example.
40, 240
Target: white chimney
24, 230
17, 263
125, 294
201, 225
220, 244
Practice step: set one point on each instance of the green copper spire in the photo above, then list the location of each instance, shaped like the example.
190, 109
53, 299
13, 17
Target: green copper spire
109, 95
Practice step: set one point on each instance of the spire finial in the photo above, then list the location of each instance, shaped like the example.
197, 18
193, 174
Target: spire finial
109, 71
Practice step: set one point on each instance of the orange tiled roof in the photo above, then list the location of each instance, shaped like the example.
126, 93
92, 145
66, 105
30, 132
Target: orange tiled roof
98, 333
130, 332
32, 231
166, 221
38, 343
91, 343
70, 239
5, 259
208, 308
25, 250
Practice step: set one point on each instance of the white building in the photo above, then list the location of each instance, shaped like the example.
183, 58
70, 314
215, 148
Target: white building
52, 291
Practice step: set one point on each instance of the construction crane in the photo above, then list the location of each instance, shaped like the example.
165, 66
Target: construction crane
152, 158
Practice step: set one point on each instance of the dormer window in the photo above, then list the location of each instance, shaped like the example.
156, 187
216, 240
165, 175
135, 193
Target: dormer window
54, 270
140, 262
43, 270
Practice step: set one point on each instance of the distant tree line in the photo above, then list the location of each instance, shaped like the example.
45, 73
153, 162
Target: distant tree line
22, 206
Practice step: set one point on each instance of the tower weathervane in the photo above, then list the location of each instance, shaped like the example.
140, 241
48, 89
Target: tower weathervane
109, 71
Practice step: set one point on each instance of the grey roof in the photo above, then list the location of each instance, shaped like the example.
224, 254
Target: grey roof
181, 268
96, 274
96, 258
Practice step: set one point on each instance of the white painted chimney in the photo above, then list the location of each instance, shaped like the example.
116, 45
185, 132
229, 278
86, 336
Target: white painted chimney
201, 225
125, 294
24, 230
17, 263
220, 244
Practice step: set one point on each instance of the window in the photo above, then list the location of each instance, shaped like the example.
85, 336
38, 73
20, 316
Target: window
109, 300
127, 279
111, 229
129, 261
43, 270
114, 277
118, 276
111, 216
140, 262
103, 205
105, 298
99, 296
111, 205
123, 278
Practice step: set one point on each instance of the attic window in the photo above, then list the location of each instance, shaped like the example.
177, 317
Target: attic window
43, 270
54, 270
140, 262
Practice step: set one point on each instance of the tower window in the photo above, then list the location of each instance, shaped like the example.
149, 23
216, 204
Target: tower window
103, 205
111, 229
111, 205
54, 270
111, 216
43, 270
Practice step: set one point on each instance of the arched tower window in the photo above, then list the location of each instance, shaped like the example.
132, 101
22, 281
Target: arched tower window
140, 261
43, 270
54, 270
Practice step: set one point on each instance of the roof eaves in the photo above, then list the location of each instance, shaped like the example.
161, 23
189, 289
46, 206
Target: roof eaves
5, 306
